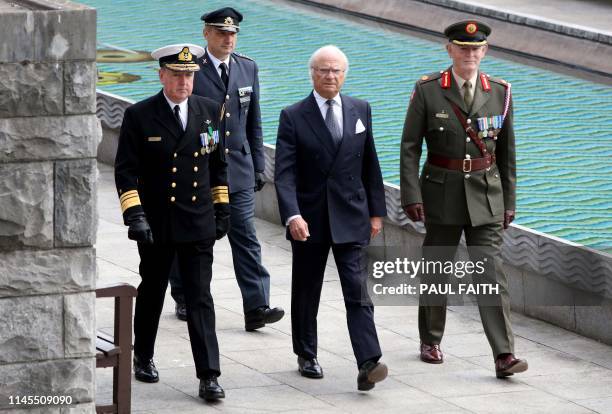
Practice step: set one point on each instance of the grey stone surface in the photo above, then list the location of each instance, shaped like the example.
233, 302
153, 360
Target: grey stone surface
80, 87
75, 202
31, 89
590, 319
86, 408
16, 25
69, 377
26, 205
49, 138
107, 149
31, 328
68, 34
79, 324
32, 272
110, 108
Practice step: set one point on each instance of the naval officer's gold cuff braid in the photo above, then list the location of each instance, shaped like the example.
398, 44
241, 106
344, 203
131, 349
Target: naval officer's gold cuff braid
220, 194
129, 199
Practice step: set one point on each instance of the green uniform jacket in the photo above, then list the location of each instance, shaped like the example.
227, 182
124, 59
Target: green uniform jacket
453, 197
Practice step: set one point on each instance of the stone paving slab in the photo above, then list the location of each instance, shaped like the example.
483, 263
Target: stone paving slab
568, 373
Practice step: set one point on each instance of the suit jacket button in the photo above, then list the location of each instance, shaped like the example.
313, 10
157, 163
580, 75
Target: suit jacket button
227, 114
195, 184
467, 176
175, 155
226, 97
227, 133
173, 169
195, 169
227, 150
441, 128
173, 185
193, 199
195, 154
467, 139
172, 199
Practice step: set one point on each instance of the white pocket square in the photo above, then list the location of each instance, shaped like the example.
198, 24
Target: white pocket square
359, 128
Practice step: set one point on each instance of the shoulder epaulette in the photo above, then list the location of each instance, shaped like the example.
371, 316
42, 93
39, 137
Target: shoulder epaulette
242, 56
429, 78
498, 80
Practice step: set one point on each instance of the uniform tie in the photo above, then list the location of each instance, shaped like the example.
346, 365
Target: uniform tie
332, 123
467, 94
224, 76
177, 111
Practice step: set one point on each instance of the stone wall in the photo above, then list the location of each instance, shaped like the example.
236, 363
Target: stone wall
49, 135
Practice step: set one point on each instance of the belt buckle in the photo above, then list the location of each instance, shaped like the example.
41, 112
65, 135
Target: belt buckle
469, 165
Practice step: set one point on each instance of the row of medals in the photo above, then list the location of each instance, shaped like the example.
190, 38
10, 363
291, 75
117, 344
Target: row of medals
490, 126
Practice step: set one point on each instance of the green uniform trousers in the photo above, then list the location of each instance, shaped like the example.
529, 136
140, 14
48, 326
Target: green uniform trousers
483, 243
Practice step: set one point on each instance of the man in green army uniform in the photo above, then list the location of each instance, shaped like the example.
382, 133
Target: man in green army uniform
467, 184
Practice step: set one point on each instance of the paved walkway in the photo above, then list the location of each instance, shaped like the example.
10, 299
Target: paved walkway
567, 374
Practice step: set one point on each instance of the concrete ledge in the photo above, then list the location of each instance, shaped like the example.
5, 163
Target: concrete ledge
572, 46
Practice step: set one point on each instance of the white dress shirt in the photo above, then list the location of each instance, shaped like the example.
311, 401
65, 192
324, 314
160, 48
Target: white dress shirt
182, 110
216, 62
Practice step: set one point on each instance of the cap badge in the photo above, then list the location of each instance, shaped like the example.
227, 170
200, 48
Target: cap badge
471, 28
229, 20
185, 55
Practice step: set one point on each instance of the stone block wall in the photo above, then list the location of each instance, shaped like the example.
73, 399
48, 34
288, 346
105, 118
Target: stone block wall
49, 134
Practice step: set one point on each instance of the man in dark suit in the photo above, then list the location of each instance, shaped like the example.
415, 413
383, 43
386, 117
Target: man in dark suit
467, 184
330, 195
231, 79
172, 184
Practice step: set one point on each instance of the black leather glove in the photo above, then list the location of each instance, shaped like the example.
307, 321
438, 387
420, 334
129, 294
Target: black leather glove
259, 181
139, 229
222, 219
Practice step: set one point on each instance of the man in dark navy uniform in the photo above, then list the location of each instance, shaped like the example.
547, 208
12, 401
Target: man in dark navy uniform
172, 185
231, 79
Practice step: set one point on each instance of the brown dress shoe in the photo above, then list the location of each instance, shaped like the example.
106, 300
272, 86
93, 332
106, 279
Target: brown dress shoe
432, 354
507, 364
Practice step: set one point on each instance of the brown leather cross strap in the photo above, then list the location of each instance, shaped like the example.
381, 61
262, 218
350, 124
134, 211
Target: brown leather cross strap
469, 130
466, 165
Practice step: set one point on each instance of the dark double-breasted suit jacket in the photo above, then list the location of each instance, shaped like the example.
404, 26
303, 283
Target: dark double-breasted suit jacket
336, 189
241, 123
162, 170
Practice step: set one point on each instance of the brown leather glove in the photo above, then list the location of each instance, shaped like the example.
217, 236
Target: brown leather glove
508, 218
415, 212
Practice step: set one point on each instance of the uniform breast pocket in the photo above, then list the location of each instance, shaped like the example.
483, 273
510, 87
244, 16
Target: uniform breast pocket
244, 96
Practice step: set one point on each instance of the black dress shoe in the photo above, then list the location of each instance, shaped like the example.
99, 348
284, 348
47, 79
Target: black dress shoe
310, 368
258, 318
369, 374
144, 370
181, 311
210, 389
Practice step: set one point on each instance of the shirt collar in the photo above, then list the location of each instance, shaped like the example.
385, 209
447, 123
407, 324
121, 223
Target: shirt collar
216, 62
182, 105
321, 100
460, 81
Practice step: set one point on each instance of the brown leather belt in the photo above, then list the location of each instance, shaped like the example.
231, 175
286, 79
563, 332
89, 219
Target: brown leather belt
466, 165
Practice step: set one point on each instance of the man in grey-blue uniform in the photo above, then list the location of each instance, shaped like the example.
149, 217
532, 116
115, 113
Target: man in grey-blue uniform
231, 79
